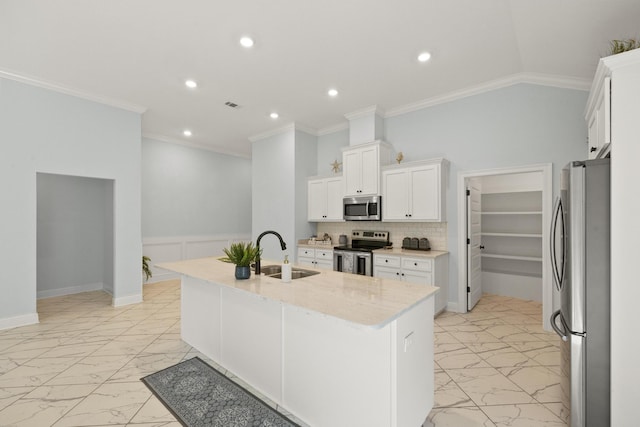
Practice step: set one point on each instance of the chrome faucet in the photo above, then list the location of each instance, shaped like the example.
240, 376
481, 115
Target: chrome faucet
283, 245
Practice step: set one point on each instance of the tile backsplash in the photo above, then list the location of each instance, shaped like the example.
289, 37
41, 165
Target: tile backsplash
436, 232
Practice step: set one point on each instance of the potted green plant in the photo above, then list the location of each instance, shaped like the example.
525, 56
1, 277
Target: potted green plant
625, 45
242, 255
145, 267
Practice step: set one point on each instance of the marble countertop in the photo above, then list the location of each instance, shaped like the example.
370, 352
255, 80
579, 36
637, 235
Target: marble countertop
308, 246
363, 300
409, 252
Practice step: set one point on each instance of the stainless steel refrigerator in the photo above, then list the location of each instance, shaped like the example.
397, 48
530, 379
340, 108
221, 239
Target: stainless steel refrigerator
580, 258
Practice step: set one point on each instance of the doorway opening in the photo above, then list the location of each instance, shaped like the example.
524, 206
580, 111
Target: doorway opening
503, 245
75, 235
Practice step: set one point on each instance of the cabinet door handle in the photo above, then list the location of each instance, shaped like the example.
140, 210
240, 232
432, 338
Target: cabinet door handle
415, 263
409, 215
481, 247
397, 274
386, 260
593, 149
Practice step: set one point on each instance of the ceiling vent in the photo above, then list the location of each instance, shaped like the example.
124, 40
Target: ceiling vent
231, 104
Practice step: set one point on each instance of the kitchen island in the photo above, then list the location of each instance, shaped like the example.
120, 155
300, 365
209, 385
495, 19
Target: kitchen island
334, 349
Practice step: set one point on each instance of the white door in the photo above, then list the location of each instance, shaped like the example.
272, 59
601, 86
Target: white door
425, 193
352, 174
474, 257
370, 171
334, 198
317, 200
395, 191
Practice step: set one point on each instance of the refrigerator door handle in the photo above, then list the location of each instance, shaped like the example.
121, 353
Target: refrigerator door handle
563, 333
558, 213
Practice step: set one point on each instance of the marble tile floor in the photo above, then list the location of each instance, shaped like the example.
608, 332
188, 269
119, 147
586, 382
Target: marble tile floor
496, 366
81, 365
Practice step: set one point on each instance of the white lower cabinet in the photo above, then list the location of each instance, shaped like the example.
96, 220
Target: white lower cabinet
316, 258
431, 271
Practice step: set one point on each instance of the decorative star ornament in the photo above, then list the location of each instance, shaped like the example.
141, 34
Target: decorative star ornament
336, 166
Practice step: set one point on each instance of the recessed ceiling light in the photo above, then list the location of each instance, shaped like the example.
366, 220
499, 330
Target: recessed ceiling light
332, 92
424, 57
191, 84
187, 132
246, 41
274, 115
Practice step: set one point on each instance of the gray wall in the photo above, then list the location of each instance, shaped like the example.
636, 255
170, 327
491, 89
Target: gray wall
330, 150
46, 131
519, 125
193, 192
280, 165
306, 147
74, 235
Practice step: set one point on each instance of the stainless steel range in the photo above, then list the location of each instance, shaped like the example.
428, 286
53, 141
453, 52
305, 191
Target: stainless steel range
357, 258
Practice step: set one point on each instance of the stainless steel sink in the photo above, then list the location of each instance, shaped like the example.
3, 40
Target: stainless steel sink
268, 270
275, 271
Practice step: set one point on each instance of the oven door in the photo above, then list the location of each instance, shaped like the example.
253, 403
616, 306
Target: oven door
343, 261
363, 264
353, 262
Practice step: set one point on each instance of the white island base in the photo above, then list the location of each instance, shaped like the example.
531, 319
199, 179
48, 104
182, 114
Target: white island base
327, 371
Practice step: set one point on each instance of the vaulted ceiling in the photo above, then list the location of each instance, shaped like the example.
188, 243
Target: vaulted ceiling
138, 54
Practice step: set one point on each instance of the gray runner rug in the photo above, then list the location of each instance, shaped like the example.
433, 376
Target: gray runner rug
198, 395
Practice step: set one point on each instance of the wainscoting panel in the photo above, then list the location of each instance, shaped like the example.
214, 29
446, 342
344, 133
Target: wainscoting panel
170, 249
205, 248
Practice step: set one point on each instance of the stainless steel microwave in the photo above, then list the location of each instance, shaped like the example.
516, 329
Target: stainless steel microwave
367, 208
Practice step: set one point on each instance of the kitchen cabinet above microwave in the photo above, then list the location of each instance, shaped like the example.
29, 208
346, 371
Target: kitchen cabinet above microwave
361, 168
415, 191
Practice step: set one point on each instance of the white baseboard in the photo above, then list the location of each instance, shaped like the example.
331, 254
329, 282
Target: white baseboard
161, 277
22, 320
452, 306
69, 290
129, 299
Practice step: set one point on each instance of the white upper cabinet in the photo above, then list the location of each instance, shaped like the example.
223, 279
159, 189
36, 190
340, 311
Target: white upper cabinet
414, 191
599, 122
361, 168
325, 199
615, 76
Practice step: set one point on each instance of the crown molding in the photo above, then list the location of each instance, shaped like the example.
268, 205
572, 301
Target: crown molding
553, 80
56, 87
305, 129
606, 67
375, 109
288, 128
190, 144
332, 129
277, 131
530, 78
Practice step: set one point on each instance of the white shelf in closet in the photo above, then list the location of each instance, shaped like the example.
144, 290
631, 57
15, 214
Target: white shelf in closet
513, 257
513, 213
535, 236
512, 233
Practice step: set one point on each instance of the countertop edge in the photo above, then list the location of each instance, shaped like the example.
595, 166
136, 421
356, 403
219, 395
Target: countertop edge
171, 266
